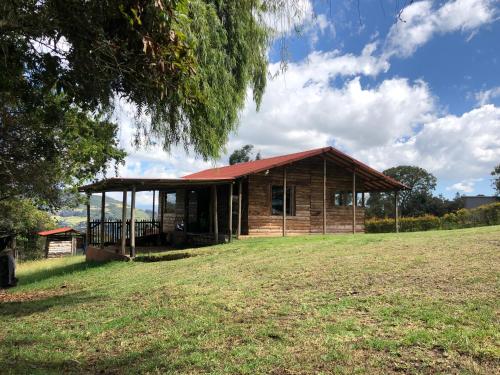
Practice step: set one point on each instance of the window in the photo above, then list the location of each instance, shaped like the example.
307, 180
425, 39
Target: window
360, 200
348, 198
170, 202
277, 200
338, 198
344, 198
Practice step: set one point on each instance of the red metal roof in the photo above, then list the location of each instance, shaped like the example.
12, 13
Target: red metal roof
56, 231
242, 169
373, 178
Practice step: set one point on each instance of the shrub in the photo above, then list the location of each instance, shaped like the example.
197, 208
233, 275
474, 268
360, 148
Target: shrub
21, 217
465, 218
406, 224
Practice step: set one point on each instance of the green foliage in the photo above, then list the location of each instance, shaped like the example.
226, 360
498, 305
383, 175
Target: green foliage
488, 214
496, 178
22, 218
184, 65
463, 218
243, 155
406, 224
50, 146
415, 202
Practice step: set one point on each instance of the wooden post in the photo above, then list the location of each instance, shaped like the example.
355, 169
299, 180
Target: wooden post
214, 211
161, 209
353, 202
284, 202
186, 209
396, 214
154, 198
210, 215
124, 223
47, 244
87, 235
103, 217
363, 199
324, 196
240, 195
230, 208
132, 223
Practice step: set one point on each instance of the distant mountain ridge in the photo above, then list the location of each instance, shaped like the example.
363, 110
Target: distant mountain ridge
76, 217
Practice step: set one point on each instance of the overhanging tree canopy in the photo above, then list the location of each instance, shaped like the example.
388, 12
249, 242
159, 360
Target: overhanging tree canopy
187, 65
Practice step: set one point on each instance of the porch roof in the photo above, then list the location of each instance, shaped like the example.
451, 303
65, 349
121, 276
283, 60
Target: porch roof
147, 184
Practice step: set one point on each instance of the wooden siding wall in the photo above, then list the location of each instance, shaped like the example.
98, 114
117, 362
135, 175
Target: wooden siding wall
307, 178
57, 248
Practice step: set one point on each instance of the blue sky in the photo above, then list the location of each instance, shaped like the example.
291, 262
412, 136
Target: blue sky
423, 90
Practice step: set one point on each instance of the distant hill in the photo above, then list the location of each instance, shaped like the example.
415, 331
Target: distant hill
76, 217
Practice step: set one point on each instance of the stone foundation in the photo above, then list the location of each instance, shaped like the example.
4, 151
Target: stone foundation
95, 254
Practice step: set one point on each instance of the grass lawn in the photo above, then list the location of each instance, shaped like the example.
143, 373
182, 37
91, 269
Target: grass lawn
381, 303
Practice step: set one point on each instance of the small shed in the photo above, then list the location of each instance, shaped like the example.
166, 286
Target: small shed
60, 241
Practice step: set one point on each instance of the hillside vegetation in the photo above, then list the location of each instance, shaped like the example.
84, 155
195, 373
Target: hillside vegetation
423, 302
76, 217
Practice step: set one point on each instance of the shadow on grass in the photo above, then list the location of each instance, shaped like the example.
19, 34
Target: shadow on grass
129, 362
162, 258
35, 302
44, 274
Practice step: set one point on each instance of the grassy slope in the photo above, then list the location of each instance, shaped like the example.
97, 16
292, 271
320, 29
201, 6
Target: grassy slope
413, 302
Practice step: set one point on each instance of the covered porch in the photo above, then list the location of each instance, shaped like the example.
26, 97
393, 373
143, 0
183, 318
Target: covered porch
190, 212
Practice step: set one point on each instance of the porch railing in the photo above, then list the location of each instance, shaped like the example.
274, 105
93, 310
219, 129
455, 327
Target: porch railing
113, 230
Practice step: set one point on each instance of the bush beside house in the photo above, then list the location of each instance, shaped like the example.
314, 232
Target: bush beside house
464, 218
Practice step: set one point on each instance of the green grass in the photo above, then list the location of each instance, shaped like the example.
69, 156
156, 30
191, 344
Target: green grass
423, 302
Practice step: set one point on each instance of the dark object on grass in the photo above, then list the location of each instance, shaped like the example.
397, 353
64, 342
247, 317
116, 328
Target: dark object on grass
7, 263
7, 269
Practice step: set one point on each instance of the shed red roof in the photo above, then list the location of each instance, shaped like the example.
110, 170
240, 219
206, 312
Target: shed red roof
374, 179
56, 231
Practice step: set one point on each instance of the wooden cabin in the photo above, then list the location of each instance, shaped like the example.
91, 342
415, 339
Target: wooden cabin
318, 191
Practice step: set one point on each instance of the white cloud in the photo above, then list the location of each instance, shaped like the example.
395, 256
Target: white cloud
320, 26
301, 109
485, 96
465, 186
394, 122
151, 161
324, 66
421, 21
452, 147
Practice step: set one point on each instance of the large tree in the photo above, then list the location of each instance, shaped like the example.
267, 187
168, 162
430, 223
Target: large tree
184, 65
243, 155
413, 202
496, 179
49, 146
